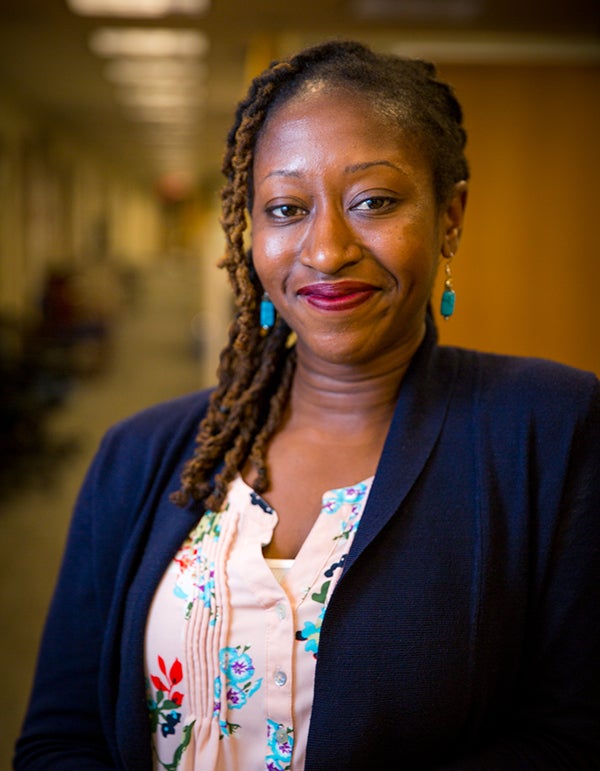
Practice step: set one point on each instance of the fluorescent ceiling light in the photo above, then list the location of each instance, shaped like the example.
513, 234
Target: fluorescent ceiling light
137, 41
170, 134
138, 8
187, 85
167, 143
172, 116
159, 97
155, 85
139, 70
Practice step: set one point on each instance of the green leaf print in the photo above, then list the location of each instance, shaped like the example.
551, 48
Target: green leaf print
178, 754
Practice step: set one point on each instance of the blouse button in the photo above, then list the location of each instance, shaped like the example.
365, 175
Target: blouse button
280, 678
280, 610
281, 735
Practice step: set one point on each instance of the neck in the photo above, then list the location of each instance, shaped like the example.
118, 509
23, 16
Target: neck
336, 394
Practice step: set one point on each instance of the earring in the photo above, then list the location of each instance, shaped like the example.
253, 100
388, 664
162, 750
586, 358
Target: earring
267, 313
448, 295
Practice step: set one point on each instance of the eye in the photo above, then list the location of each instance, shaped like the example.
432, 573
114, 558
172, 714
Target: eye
375, 203
285, 211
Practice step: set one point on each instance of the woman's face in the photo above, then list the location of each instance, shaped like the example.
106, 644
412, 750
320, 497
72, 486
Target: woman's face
346, 232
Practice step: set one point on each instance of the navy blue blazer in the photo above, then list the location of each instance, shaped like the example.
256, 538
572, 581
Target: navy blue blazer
464, 631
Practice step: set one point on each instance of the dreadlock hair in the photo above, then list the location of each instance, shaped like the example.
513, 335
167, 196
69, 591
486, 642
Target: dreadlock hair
255, 370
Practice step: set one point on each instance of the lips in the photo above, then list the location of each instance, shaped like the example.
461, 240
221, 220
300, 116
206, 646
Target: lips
337, 295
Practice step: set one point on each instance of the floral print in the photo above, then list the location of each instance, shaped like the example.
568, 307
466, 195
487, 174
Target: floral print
237, 668
164, 706
222, 623
195, 580
311, 631
279, 757
351, 499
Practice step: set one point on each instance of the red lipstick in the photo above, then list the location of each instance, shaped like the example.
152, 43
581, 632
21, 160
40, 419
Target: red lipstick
337, 295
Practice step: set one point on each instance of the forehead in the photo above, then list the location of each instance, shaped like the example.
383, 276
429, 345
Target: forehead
324, 119
319, 104
317, 99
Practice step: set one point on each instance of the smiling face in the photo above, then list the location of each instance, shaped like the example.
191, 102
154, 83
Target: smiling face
346, 231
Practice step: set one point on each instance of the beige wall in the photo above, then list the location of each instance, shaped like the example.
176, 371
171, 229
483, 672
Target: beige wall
527, 275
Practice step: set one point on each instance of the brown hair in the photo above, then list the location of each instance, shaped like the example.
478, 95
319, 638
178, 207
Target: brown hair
255, 370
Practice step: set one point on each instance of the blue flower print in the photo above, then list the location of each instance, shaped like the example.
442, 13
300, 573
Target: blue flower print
235, 665
335, 499
206, 587
238, 671
171, 720
236, 698
350, 523
311, 633
280, 752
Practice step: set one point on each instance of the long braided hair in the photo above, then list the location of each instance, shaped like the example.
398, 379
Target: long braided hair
255, 370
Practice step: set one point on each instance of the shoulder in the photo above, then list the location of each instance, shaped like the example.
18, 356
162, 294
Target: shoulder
161, 424
165, 415
533, 426
135, 469
519, 384
140, 451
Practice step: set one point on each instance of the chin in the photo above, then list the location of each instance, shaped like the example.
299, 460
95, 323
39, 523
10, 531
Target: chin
339, 352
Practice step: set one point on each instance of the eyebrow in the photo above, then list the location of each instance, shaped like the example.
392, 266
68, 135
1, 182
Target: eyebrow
368, 164
283, 173
352, 169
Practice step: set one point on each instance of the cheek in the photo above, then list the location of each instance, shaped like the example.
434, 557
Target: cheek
271, 255
273, 248
406, 250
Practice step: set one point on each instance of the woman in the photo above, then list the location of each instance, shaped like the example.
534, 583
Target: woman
383, 552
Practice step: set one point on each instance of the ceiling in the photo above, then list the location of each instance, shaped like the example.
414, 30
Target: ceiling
47, 65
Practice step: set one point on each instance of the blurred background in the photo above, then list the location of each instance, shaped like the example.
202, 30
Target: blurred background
113, 115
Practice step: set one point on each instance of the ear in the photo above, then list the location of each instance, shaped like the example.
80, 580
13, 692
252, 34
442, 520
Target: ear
452, 218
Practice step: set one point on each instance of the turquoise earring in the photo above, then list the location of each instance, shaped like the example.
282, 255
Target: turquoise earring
448, 295
267, 313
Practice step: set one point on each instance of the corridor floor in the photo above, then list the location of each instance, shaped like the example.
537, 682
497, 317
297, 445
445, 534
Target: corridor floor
154, 359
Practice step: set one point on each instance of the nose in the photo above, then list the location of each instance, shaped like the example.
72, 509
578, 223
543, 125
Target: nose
330, 243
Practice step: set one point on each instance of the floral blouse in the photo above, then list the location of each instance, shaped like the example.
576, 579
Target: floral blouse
231, 650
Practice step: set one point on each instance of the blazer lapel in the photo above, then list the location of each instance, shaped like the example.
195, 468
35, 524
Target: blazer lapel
417, 422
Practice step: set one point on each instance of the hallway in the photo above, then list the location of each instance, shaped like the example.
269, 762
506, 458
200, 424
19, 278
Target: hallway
154, 359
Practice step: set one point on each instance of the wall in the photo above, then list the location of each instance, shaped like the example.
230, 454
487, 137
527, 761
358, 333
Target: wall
63, 204
527, 274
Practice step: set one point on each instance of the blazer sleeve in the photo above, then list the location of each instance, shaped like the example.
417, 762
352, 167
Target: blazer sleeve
556, 722
62, 729
70, 722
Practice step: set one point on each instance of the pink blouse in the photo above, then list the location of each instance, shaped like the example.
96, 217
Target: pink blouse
230, 649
